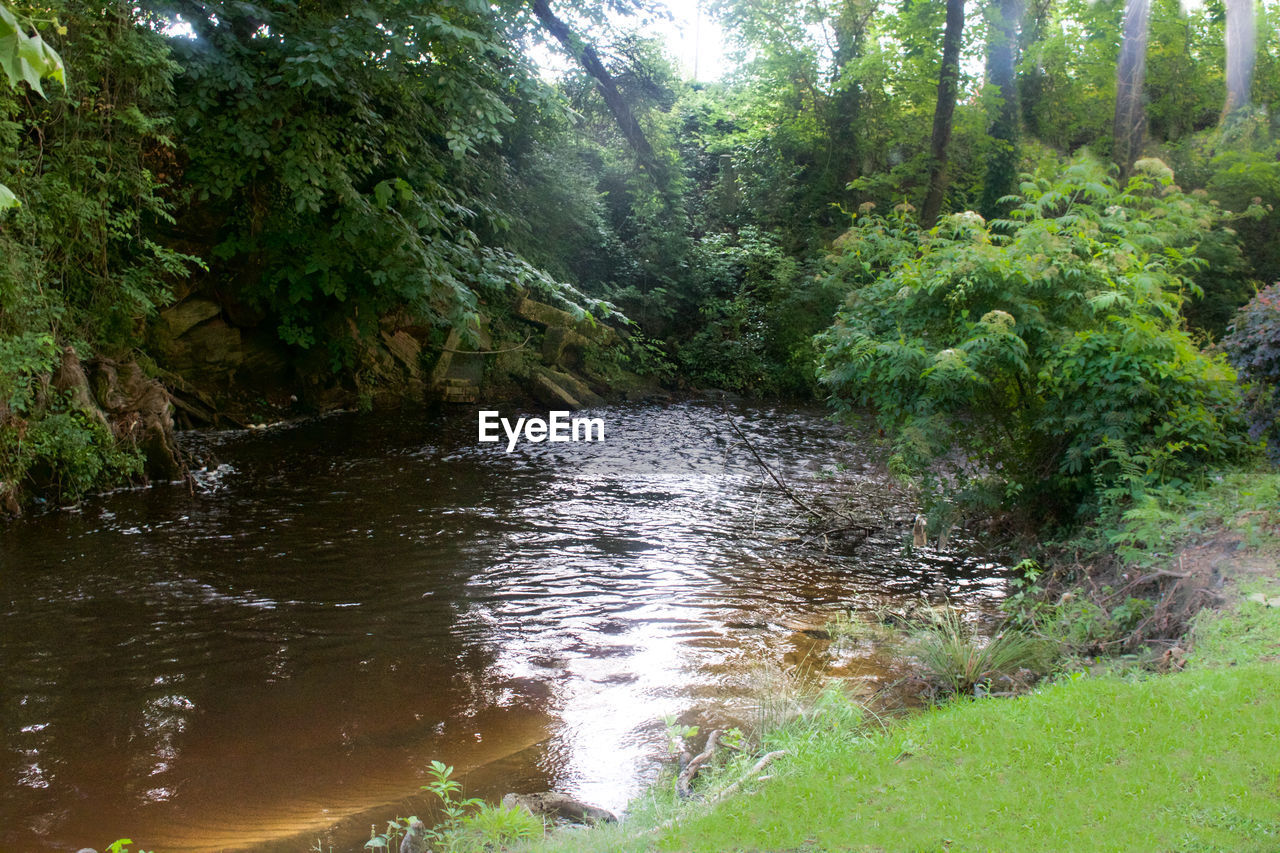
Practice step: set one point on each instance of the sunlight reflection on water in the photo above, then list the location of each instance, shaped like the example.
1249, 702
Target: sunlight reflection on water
342, 601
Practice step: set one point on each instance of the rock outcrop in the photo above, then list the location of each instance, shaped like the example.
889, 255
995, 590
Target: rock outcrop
459, 371
560, 389
134, 406
214, 362
225, 367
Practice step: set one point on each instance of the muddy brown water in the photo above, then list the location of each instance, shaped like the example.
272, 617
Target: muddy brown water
284, 649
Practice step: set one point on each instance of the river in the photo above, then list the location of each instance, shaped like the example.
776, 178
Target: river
282, 648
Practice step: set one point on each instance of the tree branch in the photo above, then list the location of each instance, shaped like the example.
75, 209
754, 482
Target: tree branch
776, 479
590, 61
684, 783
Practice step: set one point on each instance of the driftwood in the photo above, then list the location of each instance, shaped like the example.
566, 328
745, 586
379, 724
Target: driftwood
690, 767
765, 760
556, 804
684, 782
730, 790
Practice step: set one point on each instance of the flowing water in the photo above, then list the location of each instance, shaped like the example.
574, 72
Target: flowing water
285, 647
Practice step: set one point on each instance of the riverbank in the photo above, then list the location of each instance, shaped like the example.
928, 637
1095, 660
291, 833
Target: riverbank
1186, 761
1108, 755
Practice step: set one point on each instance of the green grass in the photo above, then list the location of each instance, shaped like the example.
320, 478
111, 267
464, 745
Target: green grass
1248, 634
1184, 762
957, 659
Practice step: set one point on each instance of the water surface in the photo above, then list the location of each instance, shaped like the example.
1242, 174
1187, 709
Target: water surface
286, 646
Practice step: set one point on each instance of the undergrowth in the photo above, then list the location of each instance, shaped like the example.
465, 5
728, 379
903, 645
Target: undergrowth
465, 825
1246, 502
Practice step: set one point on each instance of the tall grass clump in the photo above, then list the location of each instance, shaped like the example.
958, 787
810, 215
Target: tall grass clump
957, 660
777, 698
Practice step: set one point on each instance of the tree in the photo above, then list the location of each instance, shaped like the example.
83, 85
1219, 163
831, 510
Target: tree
340, 154
802, 110
850, 26
586, 55
948, 85
1002, 62
1241, 54
1131, 71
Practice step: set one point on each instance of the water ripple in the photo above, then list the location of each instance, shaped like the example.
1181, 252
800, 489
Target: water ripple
341, 601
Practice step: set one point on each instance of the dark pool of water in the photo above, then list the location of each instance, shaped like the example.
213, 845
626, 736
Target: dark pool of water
286, 647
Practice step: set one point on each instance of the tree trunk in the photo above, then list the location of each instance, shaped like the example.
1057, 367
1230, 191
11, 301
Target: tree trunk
1131, 74
586, 55
1002, 60
1241, 54
850, 27
948, 84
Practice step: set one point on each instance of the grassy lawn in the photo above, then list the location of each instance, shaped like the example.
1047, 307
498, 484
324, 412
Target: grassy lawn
1182, 762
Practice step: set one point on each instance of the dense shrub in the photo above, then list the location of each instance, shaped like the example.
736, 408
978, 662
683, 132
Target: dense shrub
1253, 347
1044, 356
758, 310
80, 259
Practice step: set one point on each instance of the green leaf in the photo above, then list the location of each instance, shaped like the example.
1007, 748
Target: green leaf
9, 52
27, 58
7, 198
30, 63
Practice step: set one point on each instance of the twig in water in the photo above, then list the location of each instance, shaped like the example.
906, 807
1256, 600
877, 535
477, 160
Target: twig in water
861, 527
760, 461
